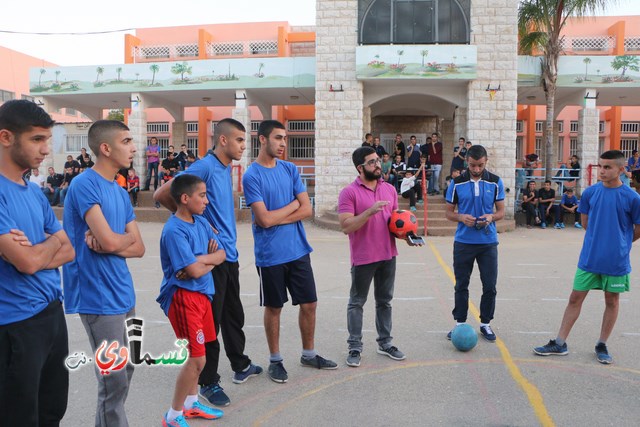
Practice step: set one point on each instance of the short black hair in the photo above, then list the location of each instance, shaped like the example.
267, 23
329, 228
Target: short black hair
360, 153
19, 116
476, 152
616, 155
267, 126
547, 181
224, 127
184, 184
103, 131
569, 190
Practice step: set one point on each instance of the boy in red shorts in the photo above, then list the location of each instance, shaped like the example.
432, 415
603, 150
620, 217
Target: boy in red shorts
188, 253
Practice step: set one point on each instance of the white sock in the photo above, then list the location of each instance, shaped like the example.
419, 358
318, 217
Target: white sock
460, 323
190, 400
484, 324
172, 415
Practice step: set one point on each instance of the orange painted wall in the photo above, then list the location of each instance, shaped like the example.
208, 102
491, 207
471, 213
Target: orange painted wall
219, 32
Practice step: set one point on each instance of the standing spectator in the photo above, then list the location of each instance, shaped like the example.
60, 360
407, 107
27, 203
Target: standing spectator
568, 204
101, 225
52, 186
365, 207
435, 161
399, 146
379, 148
575, 167
475, 193
34, 382
530, 203
368, 140
228, 314
467, 145
546, 203
413, 153
459, 155
152, 152
633, 165
279, 202
37, 179
133, 186
611, 216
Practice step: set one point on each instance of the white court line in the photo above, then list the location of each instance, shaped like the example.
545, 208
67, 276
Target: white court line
397, 263
631, 334
554, 299
346, 330
395, 298
254, 326
533, 332
507, 299
552, 277
161, 322
531, 264
522, 277
248, 295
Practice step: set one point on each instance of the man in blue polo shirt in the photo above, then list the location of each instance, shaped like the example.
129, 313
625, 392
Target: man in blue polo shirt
34, 382
475, 193
228, 314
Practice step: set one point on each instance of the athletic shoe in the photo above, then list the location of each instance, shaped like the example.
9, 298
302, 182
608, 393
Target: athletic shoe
252, 371
353, 359
157, 205
412, 209
552, 348
277, 372
577, 225
543, 225
562, 225
487, 333
318, 362
557, 226
449, 335
214, 394
603, 354
538, 220
198, 410
392, 352
178, 422
419, 202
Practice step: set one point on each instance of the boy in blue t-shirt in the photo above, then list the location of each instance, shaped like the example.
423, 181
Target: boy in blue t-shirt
34, 382
568, 204
611, 216
188, 253
99, 219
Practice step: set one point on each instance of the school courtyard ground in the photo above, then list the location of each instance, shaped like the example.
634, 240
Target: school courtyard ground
495, 384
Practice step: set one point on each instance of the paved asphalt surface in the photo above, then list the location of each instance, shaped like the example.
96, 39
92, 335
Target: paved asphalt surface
495, 384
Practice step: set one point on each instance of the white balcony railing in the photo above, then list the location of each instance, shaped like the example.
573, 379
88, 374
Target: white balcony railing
588, 44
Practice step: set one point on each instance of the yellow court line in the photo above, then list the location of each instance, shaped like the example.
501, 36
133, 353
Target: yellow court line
534, 396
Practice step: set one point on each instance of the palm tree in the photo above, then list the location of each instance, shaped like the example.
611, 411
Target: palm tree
540, 23
624, 62
42, 72
260, 67
424, 54
57, 75
99, 71
586, 61
154, 69
119, 70
400, 53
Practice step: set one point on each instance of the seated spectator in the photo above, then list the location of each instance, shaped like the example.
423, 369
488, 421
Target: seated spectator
52, 187
37, 179
133, 186
121, 180
546, 204
447, 180
575, 167
633, 164
568, 204
411, 187
398, 168
530, 203
84, 159
73, 164
530, 163
387, 170
169, 166
191, 159
183, 156
625, 177
66, 181
168, 176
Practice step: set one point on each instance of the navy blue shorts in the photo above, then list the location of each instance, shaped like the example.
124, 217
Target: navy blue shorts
295, 276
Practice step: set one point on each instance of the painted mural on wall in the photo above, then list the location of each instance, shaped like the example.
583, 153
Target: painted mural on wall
585, 71
416, 62
245, 73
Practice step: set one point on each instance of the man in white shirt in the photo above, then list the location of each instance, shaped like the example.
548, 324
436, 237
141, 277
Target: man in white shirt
37, 178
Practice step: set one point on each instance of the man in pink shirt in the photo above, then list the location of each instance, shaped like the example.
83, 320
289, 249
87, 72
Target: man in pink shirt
365, 206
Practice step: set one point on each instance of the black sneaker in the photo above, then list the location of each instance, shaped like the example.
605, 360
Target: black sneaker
251, 371
487, 333
449, 335
318, 362
277, 373
392, 352
214, 394
353, 359
603, 354
552, 348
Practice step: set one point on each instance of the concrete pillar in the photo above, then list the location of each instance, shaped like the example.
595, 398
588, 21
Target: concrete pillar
366, 123
137, 123
178, 134
460, 124
242, 114
339, 100
588, 125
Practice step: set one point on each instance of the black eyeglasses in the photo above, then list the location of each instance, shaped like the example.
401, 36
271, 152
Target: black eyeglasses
372, 162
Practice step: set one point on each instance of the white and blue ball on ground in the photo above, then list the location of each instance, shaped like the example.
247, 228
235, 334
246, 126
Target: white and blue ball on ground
464, 337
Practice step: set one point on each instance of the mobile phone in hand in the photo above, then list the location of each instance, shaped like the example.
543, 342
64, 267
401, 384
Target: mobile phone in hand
416, 240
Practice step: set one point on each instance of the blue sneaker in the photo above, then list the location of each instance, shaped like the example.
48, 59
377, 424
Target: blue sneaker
277, 373
178, 422
577, 225
557, 226
412, 208
552, 348
214, 394
198, 410
603, 354
543, 225
562, 225
251, 371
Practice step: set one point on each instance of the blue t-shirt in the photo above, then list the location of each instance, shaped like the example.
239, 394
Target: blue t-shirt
220, 211
96, 283
180, 243
276, 187
607, 241
476, 198
22, 295
568, 201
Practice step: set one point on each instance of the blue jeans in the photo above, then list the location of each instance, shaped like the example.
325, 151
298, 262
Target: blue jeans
463, 257
383, 274
152, 167
434, 180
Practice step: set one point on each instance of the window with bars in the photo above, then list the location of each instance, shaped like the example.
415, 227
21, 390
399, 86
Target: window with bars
538, 148
560, 152
255, 124
74, 143
192, 144
560, 125
573, 147
591, 43
153, 52
6, 95
186, 50
213, 126
573, 126
631, 44
601, 126
227, 49
301, 147
629, 127
255, 147
263, 47
301, 125
158, 127
519, 148
539, 126
192, 127
600, 146
627, 145
519, 127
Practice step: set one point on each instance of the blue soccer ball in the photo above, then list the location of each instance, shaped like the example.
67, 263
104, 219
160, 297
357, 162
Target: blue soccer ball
464, 337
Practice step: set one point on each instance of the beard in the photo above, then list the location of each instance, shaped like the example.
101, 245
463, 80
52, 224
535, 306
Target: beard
373, 176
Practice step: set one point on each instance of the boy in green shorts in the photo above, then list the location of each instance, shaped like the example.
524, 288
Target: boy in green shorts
610, 213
